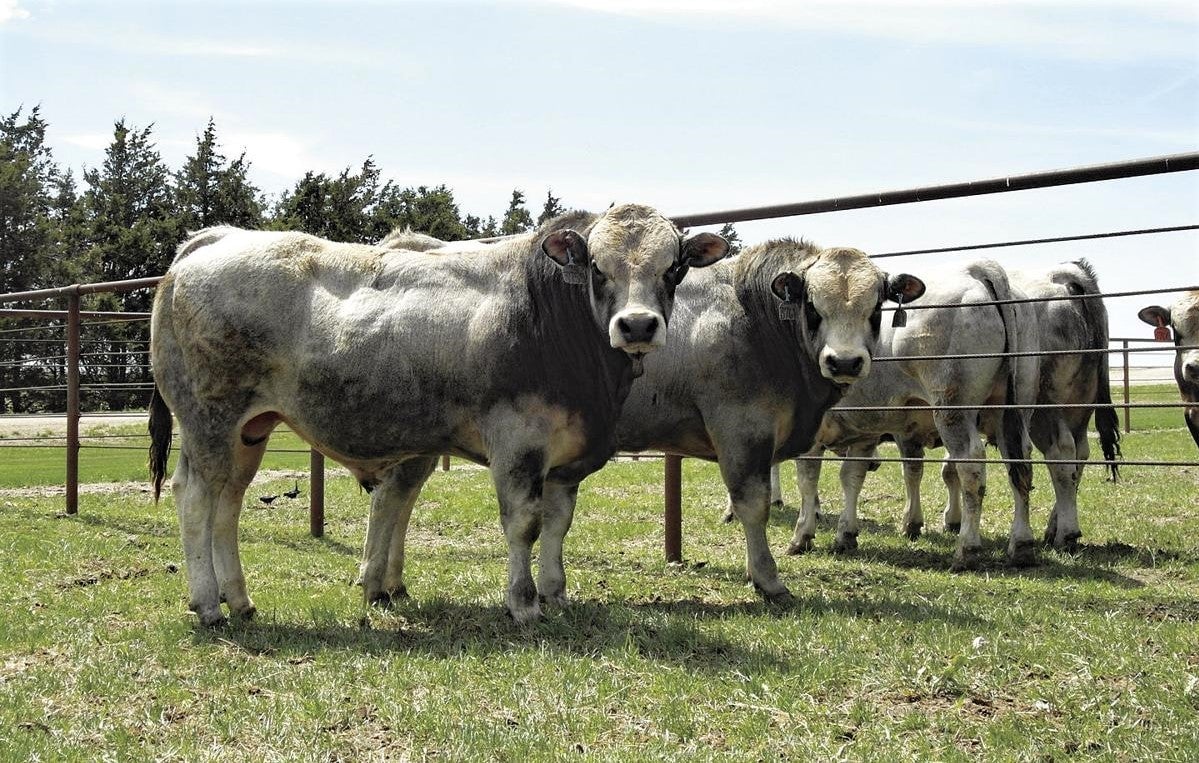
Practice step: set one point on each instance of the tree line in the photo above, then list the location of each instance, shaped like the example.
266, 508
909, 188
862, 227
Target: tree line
126, 217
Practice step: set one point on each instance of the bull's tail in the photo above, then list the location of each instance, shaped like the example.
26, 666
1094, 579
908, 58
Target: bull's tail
1107, 423
1012, 439
160, 440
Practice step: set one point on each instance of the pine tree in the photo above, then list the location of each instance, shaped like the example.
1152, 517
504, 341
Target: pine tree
210, 190
729, 234
424, 210
551, 209
130, 232
517, 219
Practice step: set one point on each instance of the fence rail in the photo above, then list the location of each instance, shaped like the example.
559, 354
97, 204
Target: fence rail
74, 316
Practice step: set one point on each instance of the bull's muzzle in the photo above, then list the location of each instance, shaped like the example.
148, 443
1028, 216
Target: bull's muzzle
637, 331
844, 369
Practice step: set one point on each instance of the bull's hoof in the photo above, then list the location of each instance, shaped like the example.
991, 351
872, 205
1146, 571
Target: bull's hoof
210, 618
846, 543
966, 559
776, 504
912, 530
802, 546
558, 599
1022, 553
779, 598
382, 600
244, 613
1069, 543
953, 527
728, 517
398, 592
525, 615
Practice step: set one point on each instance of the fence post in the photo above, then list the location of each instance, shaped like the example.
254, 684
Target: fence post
445, 463
316, 502
1127, 424
73, 404
673, 514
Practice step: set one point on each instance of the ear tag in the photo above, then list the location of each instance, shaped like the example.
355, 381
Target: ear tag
788, 310
1161, 333
900, 319
574, 272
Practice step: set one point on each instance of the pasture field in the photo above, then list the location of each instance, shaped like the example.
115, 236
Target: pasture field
885, 655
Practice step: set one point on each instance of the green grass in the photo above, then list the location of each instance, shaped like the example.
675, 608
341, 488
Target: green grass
885, 655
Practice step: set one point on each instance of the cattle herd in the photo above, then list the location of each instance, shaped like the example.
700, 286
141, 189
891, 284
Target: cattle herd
542, 355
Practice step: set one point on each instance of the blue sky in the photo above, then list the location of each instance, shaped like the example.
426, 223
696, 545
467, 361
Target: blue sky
689, 105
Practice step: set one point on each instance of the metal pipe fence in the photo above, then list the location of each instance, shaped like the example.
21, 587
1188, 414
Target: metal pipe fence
71, 320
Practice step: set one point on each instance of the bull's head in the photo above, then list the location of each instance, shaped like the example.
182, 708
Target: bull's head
838, 303
632, 260
1183, 316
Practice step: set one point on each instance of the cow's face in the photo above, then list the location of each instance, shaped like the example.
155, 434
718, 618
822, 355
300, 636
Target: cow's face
1183, 316
636, 259
839, 301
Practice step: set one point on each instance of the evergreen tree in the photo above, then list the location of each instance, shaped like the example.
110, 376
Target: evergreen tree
424, 210
29, 196
130, 232
552, 207
517, 219
729, 234
341, 208
210, 190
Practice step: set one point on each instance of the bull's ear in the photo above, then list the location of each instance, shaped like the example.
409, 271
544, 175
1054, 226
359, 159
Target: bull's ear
702, 249
565, 247
788, 287
903, 288
1155, 315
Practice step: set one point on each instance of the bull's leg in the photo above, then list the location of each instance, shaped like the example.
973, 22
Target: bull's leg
1063, 531
746, 473
961, 440
558, 509
853, 475
807, 472
776, 487
226, 556
381, 572
197, 484
519, 484
1022, 547
951, 518
913, 472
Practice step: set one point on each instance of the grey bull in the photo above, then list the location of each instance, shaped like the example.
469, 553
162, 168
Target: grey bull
955, 326
1076, 380
1183, 316
383, 359
755, 359
760, 345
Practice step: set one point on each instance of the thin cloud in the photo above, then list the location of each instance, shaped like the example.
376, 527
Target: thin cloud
11, 10
1112, 30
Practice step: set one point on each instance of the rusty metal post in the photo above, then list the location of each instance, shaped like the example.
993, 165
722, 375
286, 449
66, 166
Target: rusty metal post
445, 463
73, 404
673, 515
316, 502
1127, 424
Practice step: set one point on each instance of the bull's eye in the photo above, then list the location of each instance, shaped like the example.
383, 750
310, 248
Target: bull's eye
811, 316
596, 272
876, 318
673, 275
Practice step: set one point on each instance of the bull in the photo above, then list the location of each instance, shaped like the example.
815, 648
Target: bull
1183, 316
384, 359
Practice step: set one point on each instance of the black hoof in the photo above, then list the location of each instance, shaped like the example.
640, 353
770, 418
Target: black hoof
802, 547
965, 560
1023, 554
728, 517
776, 504
382, 600
913, 531
953, 527
846, 543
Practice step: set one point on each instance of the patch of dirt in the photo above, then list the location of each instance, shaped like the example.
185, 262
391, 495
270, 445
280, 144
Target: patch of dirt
14, 665
128, 488
100, 573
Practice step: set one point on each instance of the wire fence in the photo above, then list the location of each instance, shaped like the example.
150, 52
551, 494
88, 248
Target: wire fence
116, 366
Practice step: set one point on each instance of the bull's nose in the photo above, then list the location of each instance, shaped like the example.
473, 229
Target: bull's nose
1190, 371
637, 329
839, 367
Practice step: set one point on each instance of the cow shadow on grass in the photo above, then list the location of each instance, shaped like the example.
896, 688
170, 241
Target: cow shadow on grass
670, 632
